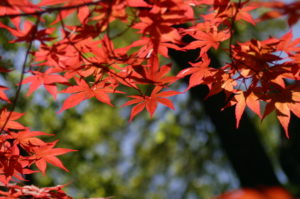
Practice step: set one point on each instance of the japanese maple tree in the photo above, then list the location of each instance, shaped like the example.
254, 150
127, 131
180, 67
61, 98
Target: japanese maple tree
81, 59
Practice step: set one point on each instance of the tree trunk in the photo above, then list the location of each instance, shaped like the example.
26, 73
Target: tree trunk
289, 154
242, 146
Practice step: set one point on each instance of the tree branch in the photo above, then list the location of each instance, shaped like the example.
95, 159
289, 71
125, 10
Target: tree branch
49, 10
22, 73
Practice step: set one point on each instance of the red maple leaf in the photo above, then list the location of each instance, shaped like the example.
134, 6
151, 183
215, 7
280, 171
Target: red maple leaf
199, 71
82, 91
83, 11
27, 139
150, 102
3, 96
16, 6
47, 154
12, 163
207, 36
137, 3
23, 34
283, 104
11, 124
47, 79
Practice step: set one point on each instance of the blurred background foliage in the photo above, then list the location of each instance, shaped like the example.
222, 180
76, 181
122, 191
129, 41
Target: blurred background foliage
176, 154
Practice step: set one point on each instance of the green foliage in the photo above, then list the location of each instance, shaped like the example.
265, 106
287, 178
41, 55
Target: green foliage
158, 158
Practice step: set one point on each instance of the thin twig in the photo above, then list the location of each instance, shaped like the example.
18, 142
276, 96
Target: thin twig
88, 60
233, 19
14, 103
49, 10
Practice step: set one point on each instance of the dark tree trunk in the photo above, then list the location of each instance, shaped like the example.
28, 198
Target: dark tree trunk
289, 154
242, 146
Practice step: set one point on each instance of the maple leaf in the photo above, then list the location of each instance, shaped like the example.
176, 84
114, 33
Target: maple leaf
288, 100
253, 102
23, 34
12, 163
243, 99
13, 168
18, 32
145, 74
137, 3
199, 71
53, 2
147, 47
8, 7
288, 45
157, 22
47, 154
3, 96
27, 139
11, 124
107, 54
239, 107
239, 11
82, 91
83, 11
206, 39
150, 102
47, 79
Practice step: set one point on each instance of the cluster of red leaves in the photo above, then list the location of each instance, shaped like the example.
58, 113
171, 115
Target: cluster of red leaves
20, 148
82, 59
